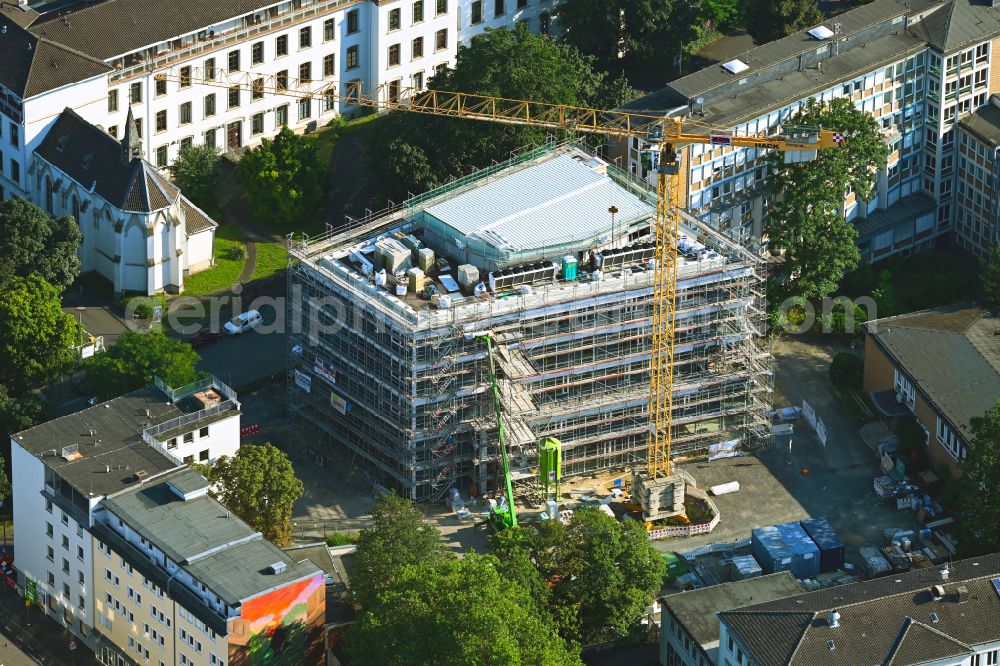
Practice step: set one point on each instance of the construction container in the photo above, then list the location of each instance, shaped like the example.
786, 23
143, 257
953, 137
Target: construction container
425, 260
675, 565
467, 275
744, 566
831, 548
785, 548
550, 464
569, 266
395, 256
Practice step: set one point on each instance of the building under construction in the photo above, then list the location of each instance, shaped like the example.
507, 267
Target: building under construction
551, 252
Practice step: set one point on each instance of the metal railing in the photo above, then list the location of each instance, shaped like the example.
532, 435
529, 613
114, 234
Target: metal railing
185, 419
211, 381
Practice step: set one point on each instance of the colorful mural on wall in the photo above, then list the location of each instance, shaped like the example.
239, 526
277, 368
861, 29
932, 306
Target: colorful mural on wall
281, 627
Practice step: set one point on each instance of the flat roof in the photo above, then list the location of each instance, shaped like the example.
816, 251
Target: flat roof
558, 201
907, 208
696, 609
984, 123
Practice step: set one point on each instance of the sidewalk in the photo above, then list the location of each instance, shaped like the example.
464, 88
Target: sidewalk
44, 640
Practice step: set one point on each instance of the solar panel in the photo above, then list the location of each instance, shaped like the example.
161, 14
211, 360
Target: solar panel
996, 585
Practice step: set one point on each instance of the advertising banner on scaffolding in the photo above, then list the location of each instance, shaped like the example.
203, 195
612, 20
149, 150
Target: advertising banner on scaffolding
303, 381
726, 449
809, 413
321, 371
821, 431
338, 403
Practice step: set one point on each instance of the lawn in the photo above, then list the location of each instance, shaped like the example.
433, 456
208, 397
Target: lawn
272, 258
226, 271
327, 137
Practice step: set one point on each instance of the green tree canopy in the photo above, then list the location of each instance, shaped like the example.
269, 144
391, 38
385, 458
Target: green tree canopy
259, 485
979, 487
456, 612
283, 178
990, 277
37, 338
33, 243
136, 358
397, 538
805, 222
196, 172
767, 20
420, 152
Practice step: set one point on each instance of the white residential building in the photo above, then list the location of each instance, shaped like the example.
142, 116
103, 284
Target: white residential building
63, 469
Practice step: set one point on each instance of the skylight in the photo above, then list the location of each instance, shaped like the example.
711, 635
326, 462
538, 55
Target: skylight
821, 32
736, 66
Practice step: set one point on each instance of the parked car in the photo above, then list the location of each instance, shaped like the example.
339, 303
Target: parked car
243, 322
204, 337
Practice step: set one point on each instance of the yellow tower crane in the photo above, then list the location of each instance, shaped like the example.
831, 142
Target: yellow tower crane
662, 135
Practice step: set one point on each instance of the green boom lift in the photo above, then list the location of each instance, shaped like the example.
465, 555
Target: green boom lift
504, 515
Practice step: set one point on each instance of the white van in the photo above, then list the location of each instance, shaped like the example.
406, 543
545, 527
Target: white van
243, 322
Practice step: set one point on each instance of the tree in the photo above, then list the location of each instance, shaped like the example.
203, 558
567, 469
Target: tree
847, 370
978, 492
991, 277
283, 178
259, 485
37, 339
196, 172
397, 538
767, 20
16, 414
460, 611
33, 243
136, 358
805, 222
421, 151
595, 28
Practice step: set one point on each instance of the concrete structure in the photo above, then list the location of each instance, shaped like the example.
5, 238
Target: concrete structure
919, 68
941, 365
689, 628
65, 468
401, 385
931, 617
978, 219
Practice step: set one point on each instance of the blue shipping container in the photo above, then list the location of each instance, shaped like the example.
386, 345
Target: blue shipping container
785, 548
831, 548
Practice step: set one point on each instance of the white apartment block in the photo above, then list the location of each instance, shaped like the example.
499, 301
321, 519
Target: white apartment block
63, 469
919, 68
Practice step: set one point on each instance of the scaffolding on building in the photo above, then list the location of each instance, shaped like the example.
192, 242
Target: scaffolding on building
402, 389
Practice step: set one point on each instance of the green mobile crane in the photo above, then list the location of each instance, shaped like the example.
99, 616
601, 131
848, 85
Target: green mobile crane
503, 516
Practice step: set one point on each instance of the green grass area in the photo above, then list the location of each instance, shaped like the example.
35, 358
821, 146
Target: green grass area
225, 272
272, 258
327, 137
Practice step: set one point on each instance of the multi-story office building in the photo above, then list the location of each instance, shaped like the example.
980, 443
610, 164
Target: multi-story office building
65, 468
919, 68
977, 202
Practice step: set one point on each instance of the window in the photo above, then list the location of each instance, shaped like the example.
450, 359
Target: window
281, 80
185, 113
161, 156
257, 53
138, 127
79, 555
160, 87
329, 100
209, 105
161, 121
417, 80
477, 12
256, 127
188, 437
65, 565
203, 432
112, 101
950, 440
305, 109
234, 61
329, 30
50, 554
66, 591
188, 460
135, 93
257, 89
63, 518
328, 66
185, 76
281, 46
209, 141
498, 8
210, 69
442, 7
65, 542
353, 24
418, 48
15, 171
305, 72
305, 38
281, 116
234, 97
49, 530
544, 21
904, 389
418, 11
394, 19
352, 57
51, 577
441, 39
393, 55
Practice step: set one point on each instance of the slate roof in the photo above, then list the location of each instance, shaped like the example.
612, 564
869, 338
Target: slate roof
137, 23
93, 158
957, 24
195, 218
892, 620
32, 64
984, 123
952, 355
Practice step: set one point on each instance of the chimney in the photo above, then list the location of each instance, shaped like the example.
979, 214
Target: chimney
945, 572
961, 594
833, 619
937, 592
